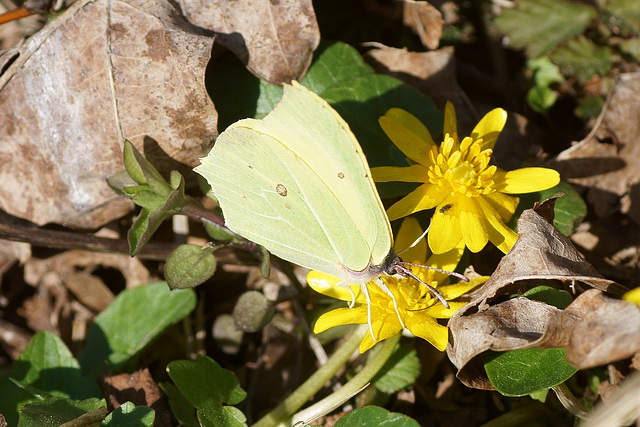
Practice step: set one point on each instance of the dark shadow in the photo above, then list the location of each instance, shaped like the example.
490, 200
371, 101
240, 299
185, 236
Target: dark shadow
232, 88
163, 162
587, 166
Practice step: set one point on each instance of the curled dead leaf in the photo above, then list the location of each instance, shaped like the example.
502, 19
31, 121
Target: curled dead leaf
485, 323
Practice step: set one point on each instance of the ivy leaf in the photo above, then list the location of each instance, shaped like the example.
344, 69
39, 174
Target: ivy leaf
399, 372
540, 25
56, 411
135, 318
45, 368
526, 371
375, 416
209, 388
130, 415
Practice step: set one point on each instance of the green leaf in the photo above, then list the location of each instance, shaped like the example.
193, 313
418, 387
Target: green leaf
540, 25
570, 209
590, 106
541, 98
631, 47
135, 318
552, 296
48, 366
265, 263
189, 266
209, 388
218, 232
399, 372
143, 172
119, 181
149, 220
56, 411
374, 416
180, 406
580, 57
128, 415
623, 16
146, 198
252, 311
545, 72
522, 372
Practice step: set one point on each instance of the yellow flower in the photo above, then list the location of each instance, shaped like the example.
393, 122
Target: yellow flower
417, 308
470, 195
632, 296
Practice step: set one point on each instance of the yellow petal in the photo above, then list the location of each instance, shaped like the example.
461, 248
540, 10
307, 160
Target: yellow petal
438, 311
447, 261
525, 180
413, 173
499, 233
383, 327
428, 329
450, 122
489, 127
341, 316
409, 231
504, 204
632, 296
330, 286
444, 232
472, 224
450, 292
424, 197
407, 133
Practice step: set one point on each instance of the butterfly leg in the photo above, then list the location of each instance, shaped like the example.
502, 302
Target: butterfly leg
387, 291
365, 291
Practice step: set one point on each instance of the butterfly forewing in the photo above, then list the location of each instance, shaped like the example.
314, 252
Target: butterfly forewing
297, 183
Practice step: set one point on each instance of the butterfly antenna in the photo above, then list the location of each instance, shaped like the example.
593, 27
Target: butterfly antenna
417, 240
433, 290
439, 270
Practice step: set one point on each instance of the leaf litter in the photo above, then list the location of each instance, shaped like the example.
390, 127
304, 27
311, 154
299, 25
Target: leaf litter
137, 73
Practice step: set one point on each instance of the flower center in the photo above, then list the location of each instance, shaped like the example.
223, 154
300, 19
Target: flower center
462, 167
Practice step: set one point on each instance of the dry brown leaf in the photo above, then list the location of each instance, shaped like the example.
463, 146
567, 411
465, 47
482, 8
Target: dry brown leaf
432, 73
275, 40
540, 253
139, 388
132, 269
608, 160
425, 20
605, 330
90, 290
99, 73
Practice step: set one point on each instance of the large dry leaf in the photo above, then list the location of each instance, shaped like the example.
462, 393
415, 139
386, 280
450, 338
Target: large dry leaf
540, 253
274, 39
607, 162
101, 72
432, 73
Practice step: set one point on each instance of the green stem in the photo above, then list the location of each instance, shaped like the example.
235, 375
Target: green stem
354, 386
299, 397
